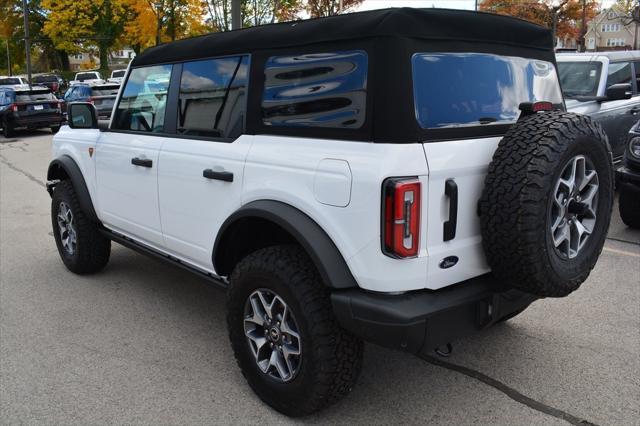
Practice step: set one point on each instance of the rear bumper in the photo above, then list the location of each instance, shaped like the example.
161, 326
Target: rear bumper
421, 321
628, 177
38, 121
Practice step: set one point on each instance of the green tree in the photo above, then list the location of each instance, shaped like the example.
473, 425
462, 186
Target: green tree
72, 24
254, 12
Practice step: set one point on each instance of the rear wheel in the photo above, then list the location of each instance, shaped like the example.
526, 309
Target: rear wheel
7, 129
287, 342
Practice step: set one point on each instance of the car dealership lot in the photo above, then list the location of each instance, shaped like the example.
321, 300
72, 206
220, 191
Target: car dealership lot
143, 342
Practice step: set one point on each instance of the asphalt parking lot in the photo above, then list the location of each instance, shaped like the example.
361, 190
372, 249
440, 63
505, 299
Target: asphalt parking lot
145, 343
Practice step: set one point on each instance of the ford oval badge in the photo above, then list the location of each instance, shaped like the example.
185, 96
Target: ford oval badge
448, 262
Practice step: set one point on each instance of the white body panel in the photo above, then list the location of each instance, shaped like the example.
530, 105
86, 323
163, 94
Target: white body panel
192, 207
173, 208
127, 195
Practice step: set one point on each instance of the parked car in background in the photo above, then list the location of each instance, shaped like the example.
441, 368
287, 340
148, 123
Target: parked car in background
14, 82
628, 177
33, 108
89, 77
54, 82
102, 96
117, 76
605, 86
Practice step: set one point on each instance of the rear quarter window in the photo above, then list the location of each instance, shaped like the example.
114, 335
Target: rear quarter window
477, 89
316, 90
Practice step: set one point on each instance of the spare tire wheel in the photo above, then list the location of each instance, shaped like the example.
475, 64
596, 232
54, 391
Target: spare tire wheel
546, 203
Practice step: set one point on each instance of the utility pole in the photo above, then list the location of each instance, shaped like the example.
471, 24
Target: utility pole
236, 15
341, 5
583, 28
8, 58
27, 44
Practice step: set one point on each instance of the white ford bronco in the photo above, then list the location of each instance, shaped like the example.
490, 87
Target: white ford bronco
403, 177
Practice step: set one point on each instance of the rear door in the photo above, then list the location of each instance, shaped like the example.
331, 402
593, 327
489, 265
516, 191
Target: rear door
127, 159
201, 169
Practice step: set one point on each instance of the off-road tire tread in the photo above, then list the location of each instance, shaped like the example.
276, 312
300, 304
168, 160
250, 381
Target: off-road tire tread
93, 248
514, 193
338, 352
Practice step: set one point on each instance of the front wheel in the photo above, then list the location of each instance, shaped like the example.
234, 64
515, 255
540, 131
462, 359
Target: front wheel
284, 335
82, 248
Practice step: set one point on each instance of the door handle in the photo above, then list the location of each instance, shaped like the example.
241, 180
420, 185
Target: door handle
143, 162
212, 174
451, 191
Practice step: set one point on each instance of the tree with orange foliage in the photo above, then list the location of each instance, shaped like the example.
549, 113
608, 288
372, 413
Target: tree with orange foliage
564, 17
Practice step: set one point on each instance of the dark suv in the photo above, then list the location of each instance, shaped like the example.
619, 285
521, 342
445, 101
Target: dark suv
32, 109
54, 82
629, 180
102, 96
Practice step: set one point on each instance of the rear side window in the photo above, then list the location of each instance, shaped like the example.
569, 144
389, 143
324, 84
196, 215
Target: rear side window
579, 78
213, 97
619, 73
477, 89
144, 99
316, 90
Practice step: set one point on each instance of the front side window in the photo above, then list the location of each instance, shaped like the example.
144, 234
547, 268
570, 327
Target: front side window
144, 99
316, 90
477, 89
619, 73
213, 97
579, 78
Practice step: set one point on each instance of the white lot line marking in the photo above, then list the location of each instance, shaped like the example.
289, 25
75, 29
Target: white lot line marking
625, 253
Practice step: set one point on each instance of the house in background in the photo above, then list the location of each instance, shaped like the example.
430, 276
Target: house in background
119, 58
612, 30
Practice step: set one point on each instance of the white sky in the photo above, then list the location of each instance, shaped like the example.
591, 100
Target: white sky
450, 4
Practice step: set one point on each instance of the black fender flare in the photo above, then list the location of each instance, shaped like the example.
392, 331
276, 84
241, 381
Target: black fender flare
314, 240
68, 166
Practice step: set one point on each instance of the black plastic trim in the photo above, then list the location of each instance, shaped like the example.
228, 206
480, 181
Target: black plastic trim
421, 321
77, 180
449, 227
323, 252
140, 248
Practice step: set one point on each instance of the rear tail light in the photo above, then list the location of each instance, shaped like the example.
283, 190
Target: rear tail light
54, 87
91, 100
14, 108
401, 217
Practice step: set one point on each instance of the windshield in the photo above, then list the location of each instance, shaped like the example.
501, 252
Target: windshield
86, 76
106, 90
10, 81
117, 74
579, 78
34, 96
477, 89
45, 79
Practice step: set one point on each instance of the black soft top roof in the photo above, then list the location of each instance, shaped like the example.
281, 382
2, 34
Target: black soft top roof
435, 25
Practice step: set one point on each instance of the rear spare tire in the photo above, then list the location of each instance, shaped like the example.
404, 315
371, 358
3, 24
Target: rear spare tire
547, 202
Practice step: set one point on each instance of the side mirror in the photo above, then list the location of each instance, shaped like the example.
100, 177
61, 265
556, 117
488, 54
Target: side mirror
82, 115
616, 92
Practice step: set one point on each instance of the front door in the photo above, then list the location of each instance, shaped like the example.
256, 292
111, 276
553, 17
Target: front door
618, 116
201, 170
127, 157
